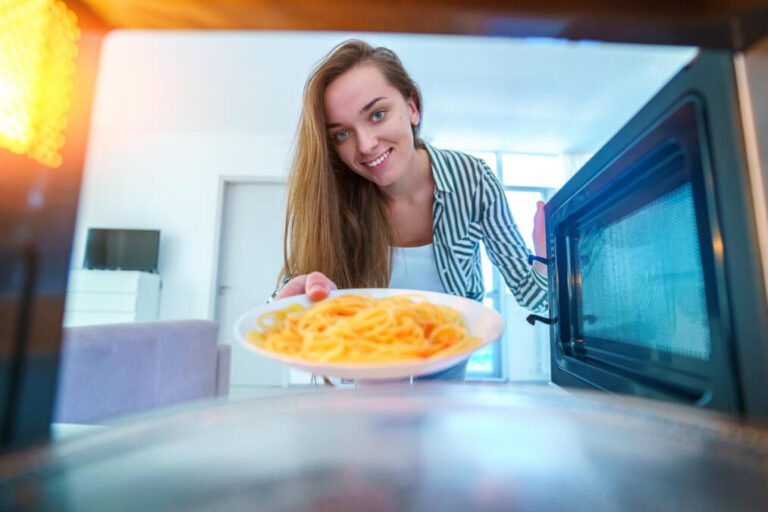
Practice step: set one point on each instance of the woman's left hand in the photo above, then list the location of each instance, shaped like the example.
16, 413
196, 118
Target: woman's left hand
540, 236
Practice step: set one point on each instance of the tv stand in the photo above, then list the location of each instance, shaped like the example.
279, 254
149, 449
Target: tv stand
111, 296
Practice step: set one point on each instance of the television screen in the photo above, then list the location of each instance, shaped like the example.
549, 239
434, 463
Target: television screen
122, 249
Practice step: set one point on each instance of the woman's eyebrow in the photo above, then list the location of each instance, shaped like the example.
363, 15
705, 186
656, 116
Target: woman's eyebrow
362, 111
370, 104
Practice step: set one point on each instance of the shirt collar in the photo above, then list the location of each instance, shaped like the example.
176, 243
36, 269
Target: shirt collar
440, 170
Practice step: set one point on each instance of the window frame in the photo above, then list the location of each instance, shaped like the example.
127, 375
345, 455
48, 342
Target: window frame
499, 294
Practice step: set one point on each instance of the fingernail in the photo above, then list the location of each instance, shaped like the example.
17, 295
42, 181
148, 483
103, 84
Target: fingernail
315, 289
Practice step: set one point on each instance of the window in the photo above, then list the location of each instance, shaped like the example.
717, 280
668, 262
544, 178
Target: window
523, 351
529, 170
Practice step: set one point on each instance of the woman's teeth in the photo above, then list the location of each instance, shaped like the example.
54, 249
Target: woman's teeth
378, 160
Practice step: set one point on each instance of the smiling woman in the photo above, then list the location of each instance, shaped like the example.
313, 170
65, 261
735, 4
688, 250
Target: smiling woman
368, 199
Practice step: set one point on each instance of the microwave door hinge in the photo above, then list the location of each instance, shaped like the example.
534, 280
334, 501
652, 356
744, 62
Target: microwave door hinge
532, 319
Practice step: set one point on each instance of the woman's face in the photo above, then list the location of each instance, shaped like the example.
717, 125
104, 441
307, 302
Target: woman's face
369, 123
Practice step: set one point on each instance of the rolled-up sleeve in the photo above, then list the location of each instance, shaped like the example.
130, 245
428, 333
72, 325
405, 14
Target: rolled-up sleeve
506, 248
283, 280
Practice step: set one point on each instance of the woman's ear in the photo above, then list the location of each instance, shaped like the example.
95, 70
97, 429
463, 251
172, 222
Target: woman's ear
414, 111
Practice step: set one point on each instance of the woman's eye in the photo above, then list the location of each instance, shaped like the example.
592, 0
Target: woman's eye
340, 136
378, 115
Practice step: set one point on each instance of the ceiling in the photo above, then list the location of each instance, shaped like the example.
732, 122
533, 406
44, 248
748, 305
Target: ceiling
546, 86
480, 93
533, 95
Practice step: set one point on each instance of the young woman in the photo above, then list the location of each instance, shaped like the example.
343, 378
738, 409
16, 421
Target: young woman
372, 205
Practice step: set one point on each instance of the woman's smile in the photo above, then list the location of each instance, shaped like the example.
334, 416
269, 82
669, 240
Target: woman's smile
379, 162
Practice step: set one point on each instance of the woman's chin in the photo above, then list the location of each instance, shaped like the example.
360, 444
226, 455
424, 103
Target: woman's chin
383, 181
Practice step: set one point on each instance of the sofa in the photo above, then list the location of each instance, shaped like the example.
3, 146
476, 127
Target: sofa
112, 370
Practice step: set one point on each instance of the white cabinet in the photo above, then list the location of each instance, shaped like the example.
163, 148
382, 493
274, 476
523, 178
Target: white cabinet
111, 296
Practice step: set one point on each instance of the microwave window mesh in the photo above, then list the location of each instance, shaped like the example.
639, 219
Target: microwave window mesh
642, 281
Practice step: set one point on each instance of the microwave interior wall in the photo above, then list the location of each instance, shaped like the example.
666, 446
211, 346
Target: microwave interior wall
656, 282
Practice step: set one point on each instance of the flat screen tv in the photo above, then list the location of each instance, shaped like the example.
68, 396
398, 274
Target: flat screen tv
122, 249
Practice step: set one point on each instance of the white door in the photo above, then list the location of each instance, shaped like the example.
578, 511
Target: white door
250, 258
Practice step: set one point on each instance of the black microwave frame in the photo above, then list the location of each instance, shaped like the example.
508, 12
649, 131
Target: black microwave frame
730, 379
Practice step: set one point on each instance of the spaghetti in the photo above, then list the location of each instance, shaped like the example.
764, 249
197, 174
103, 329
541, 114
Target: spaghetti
359, 328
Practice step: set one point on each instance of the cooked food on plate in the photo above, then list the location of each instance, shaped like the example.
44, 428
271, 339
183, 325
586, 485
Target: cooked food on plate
358, 328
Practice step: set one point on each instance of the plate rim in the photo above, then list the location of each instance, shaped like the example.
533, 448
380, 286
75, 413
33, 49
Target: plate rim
352, 367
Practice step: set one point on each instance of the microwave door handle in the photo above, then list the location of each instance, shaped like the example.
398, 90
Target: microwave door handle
533, 257
532, 319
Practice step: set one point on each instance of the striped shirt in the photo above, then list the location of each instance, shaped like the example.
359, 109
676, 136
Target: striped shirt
470, 206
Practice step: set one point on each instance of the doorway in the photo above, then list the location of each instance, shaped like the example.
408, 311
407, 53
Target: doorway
250, 256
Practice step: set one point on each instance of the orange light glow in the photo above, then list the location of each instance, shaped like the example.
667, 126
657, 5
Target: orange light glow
37, 51
717, 246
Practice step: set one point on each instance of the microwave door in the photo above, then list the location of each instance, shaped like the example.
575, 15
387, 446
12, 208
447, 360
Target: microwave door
646, 243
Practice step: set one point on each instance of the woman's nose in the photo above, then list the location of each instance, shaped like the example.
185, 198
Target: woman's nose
366, 141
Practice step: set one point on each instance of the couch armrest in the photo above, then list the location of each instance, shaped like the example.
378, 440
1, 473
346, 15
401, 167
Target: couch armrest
223, 364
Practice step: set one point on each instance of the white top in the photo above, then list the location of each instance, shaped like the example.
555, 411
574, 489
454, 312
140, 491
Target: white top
415, 268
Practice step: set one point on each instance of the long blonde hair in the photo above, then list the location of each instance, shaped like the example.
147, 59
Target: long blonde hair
337, 222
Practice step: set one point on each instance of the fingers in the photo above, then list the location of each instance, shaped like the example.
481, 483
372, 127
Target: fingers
539, 231
293, 287
318, 286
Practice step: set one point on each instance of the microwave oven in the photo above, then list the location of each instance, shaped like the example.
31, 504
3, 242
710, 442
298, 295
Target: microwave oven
657, 247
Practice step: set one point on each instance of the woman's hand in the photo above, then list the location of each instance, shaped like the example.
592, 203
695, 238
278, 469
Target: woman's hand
315, 285
540, 236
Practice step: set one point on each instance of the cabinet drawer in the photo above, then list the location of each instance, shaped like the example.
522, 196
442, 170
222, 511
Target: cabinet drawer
75, 318
95, 301
103, 281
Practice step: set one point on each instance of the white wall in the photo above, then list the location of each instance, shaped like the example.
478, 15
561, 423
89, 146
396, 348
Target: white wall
176, 110
173, 112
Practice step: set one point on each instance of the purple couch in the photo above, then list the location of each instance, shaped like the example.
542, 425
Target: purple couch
116, 369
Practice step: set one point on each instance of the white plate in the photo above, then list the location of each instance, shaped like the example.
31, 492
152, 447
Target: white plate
482, 322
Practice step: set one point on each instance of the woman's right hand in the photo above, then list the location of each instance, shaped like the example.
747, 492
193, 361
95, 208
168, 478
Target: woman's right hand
315, 285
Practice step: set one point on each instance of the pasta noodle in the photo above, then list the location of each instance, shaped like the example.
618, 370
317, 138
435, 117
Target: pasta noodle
360, 328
